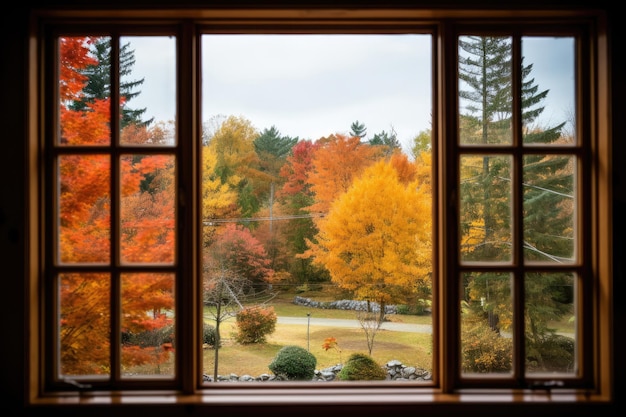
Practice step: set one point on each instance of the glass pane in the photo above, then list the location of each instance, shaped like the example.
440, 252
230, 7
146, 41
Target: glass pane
84, 92
147, 209
485, 99
486, 323
84, 324
84, 209
316, 201
549, 208
148, 328
550, 326
148, 90
548, 91
485, 208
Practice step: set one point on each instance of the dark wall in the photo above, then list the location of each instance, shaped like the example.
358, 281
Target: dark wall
13, 214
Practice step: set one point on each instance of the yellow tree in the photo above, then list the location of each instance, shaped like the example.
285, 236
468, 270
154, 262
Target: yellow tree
233, 143
219, 199
376, 239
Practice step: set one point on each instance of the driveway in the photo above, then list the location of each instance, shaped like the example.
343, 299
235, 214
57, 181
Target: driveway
346, 323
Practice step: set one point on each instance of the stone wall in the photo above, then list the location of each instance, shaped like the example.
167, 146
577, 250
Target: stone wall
343, 305
396, 371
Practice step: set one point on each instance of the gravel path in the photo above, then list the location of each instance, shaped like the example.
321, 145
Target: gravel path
315, 321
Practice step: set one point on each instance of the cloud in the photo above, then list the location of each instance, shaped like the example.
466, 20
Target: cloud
311, 86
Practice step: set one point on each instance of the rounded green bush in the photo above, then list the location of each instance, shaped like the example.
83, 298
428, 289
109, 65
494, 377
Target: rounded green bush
361, 367
208, 335
294, 363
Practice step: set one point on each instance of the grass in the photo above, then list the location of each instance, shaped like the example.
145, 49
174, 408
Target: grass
412, 349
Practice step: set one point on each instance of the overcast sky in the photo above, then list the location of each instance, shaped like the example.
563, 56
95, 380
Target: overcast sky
309, 86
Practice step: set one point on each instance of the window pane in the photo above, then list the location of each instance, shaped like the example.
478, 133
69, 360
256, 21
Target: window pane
148, 90
317, 204
147, 224
485, 209
84, 91
485, 98
84, 324
549, 113
549, 209
148, 324
84, 209
486, 323
550, 316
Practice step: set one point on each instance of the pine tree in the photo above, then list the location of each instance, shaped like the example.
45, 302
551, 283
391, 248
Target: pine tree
387, 140
358, 129
99, 81
270, 142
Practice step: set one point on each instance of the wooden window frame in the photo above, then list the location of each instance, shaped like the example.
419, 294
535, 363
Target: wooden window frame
449, 389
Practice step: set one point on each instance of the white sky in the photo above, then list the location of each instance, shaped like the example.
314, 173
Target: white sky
311, 86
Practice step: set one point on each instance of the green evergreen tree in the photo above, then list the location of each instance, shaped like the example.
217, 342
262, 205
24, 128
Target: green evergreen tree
272, 150
358, 129
99, 81
270, 142
387, 140
485, 73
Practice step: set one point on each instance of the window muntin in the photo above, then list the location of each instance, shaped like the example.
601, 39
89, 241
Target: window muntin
586, 285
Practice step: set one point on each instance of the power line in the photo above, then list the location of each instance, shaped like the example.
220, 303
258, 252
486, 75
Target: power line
212, 222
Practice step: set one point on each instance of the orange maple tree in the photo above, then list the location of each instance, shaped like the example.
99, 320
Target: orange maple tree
336, 163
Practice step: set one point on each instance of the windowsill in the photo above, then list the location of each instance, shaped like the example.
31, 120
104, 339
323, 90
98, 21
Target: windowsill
294, 396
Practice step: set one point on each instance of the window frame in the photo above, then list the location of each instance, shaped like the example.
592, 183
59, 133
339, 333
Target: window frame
448, 386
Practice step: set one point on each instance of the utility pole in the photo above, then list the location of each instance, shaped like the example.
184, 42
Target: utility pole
271, 206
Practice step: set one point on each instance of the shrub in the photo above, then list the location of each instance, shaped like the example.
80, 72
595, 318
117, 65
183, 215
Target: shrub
294, 363
302, 288
484, 350
555, 353
403, 309
147, 338
208, 335
254, 324
361, 367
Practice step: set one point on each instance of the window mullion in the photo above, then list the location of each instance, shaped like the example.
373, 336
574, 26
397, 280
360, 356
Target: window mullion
116, 302
517, 214
448, 337
189, 294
